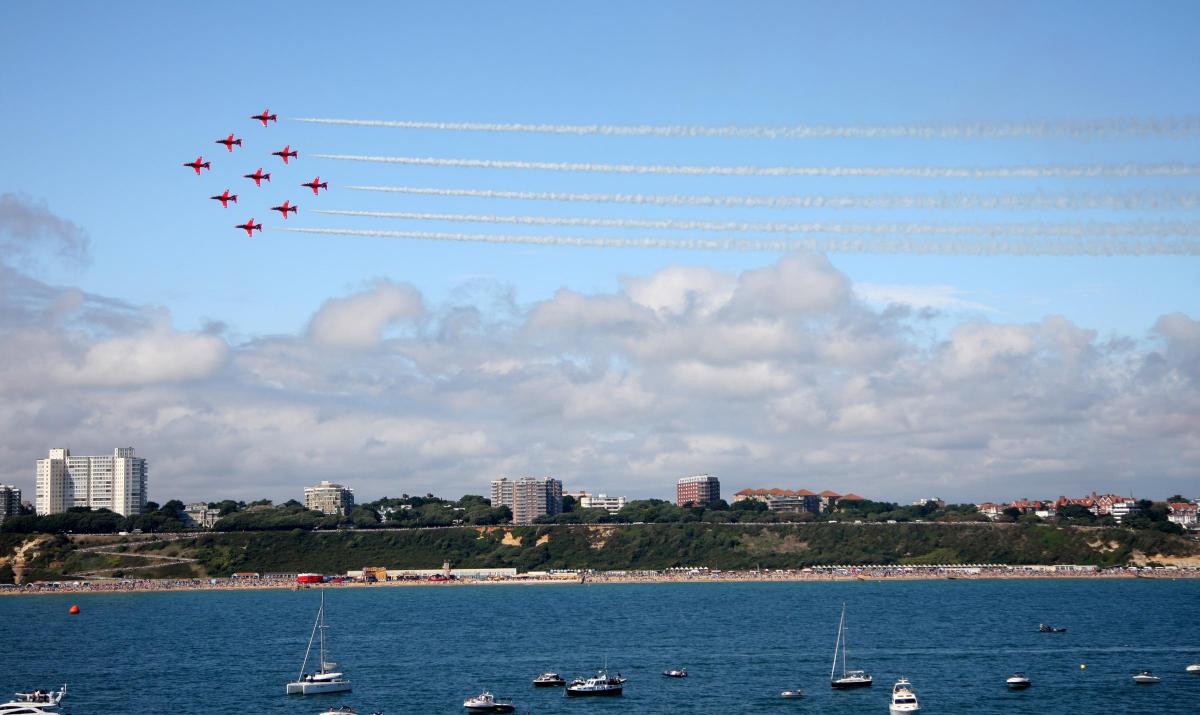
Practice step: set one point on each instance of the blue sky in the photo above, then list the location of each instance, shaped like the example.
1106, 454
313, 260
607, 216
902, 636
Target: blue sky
102, 103
111, 99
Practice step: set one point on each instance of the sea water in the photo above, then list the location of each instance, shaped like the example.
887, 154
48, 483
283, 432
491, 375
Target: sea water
423, 650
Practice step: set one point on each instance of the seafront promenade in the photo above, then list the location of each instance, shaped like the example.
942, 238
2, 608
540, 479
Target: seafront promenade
813, 575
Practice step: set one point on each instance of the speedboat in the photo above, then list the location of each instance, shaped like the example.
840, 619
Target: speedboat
37, 702
676, 673
1018, 681
1194, 668
793, 693
1145, 677
339, 710
549, 680
904, 698
485, 702
1043, 628
599, 686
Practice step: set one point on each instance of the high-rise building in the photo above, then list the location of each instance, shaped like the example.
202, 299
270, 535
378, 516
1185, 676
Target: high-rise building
699, 489
116, 482
329, 498
528, 497
10, 502
602, 501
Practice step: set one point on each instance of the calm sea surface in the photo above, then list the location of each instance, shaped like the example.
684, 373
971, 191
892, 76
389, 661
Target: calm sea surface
422, 650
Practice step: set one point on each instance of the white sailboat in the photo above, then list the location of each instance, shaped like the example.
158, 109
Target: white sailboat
850, 678
324, 679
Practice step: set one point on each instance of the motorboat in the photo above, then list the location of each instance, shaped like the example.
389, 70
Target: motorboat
37, 702
676, 673
485, 702
1018, 681
793, 693
339, 710
1145, 677
325, 679
904, 698
549, 680
1194, 668
1043, 628
600, 686
849, 678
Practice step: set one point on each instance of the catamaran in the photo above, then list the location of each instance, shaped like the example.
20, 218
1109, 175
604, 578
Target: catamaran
850, 678
324, 679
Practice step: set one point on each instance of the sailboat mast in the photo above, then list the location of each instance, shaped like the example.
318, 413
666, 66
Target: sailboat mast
316, 626
836, 644
844, 646
321, 615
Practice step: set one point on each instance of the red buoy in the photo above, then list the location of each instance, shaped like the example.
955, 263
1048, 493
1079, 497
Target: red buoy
74, 610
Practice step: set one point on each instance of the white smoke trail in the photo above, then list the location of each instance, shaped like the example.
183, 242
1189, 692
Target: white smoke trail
1170, 127
955, 247
1129, 202
920, 172
1023, 230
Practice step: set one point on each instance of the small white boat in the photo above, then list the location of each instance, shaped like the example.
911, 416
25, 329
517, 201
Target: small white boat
675, 673
325, 679
549, 680
1018, 681
793, 693
1194, 668
485, 702
339, 710
37, 702
904, 698
1145, 677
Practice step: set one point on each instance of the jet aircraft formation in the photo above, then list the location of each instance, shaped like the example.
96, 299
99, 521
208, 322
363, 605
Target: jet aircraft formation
258, 176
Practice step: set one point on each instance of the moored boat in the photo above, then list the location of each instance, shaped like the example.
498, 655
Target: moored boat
549, 680
1018, 681
1145, 677
1043, 628
339, 710
849, 678
600, 686
36, 702
1194, 669
904, 698
485, 702
792, 693
325, 679
676, 673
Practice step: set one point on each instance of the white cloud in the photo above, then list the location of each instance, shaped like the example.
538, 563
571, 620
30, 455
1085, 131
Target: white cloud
359, 320
942, 297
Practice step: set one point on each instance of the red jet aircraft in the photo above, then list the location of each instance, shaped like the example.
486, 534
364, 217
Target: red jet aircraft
199, 162
284, 209
285, 153
229, 142
249, 227
225, 198
258, 176
264, 117
317, 184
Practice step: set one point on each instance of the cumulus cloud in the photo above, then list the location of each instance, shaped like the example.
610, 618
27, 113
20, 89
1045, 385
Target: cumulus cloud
778, 376
359, 320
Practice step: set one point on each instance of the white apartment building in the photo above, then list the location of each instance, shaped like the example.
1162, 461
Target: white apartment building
329, 498
201, 516
116, 482
10, 501
602, 501
1122, 509
528, 497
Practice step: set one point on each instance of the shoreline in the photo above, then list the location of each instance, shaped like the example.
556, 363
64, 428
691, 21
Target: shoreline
840, 576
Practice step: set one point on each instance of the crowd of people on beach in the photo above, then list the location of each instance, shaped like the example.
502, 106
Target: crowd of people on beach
817, 573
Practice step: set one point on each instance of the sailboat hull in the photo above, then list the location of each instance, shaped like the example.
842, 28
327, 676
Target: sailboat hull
850, 683
317, 687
